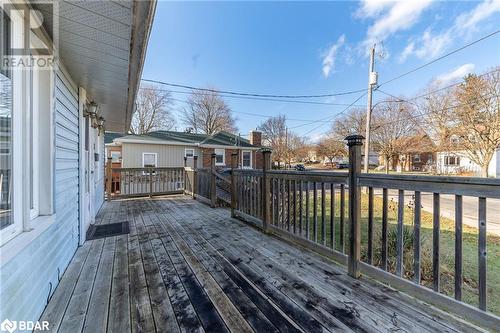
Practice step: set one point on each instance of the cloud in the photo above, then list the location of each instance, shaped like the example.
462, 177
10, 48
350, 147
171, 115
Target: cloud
431, 45
468, 21
371, 8
456, 74
330, 56
391, 17
407, 52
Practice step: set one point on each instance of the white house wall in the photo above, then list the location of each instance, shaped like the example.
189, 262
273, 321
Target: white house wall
467, 165
31, 276
168, 155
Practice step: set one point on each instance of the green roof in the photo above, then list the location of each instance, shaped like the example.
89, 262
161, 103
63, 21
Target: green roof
110, 136
220, 139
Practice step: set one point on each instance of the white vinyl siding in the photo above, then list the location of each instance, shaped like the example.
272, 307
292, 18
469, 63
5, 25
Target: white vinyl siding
168, 155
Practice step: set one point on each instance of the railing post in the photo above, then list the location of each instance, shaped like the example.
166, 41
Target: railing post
150, 182
213, 191
185, 174
185, 161
266, 199
195, 175
234, 165
354, 142
109, 178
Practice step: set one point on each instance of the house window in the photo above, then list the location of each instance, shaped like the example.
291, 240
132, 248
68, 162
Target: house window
189, 152
6, 124
246, 159
416, 158
116, 156
220, 157
149, 160
451, 160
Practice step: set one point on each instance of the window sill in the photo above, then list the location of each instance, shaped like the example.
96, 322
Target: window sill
17, 244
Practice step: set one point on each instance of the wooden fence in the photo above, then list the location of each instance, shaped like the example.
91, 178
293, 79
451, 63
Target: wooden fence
323, 211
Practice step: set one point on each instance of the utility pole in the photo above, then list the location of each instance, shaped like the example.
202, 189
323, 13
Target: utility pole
372, 81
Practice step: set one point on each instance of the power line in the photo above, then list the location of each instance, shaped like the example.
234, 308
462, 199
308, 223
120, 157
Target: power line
255, 98
335, 116
252, 94
440, 58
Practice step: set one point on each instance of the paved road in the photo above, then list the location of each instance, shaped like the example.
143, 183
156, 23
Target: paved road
448, 208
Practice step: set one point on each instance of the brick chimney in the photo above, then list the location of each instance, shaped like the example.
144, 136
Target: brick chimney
256, 138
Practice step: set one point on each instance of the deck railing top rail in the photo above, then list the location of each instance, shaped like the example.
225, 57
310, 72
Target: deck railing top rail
467, 186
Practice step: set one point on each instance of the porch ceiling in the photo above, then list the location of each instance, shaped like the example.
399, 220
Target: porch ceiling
102, 44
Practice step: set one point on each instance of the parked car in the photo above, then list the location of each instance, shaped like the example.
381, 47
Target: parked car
299, 167
343, 166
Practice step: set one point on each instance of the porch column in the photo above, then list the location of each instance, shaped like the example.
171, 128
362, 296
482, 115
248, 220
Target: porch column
213, 190
354, 142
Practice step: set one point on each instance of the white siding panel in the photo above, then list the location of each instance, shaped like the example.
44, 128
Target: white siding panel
33, 274
168, 155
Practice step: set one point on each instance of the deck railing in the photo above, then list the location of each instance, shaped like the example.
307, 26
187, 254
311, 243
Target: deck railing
367, 222
134, 182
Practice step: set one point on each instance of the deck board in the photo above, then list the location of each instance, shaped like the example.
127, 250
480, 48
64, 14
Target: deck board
186, 267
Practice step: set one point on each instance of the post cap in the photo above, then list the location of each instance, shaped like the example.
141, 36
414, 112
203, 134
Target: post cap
195, 157
213, 155
354, 140
265, 150
234, 153
185, 158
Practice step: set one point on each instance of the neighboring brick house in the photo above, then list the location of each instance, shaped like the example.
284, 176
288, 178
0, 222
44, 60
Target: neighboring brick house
168, 149
419, 154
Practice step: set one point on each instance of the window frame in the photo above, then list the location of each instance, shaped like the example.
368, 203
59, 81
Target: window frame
156, 159
417, 158
223, 163
242, 159
186, 150
18, 79
34, 132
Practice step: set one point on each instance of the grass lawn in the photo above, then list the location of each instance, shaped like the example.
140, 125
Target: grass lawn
447, 247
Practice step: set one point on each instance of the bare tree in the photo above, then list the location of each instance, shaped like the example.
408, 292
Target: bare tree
153, 111
208, 113
352, 122
331, 148
294, 149
476, 120
274, 135
392, 123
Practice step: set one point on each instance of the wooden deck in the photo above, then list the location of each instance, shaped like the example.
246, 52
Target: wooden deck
185, 267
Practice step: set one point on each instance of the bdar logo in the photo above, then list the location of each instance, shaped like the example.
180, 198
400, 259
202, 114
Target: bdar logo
9, 326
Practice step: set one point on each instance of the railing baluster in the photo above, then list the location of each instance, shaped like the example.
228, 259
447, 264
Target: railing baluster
385, 205
370, 225
315, 212
332, 216
277, 210
323, 221
307, 210
482, 252
342, 218
399, 243
300, 207
458, 247
435, 242
416, 237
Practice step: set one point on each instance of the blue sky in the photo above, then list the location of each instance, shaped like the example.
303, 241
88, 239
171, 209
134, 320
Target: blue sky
302, 48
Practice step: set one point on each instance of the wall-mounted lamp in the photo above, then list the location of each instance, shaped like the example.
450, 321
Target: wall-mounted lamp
91, 110
100, 124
